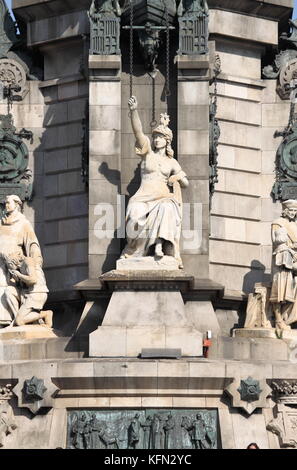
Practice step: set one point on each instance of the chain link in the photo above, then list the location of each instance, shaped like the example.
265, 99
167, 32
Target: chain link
131, 45
167, 86
153, 121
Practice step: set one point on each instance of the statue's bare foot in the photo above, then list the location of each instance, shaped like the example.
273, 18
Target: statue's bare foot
158, 250
281, 325
48, 318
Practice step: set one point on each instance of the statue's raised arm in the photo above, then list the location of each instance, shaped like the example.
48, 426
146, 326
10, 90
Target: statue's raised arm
136, 122
154, 213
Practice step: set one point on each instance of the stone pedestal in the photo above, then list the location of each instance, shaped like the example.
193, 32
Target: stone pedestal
146, 315
272, 333
28, 332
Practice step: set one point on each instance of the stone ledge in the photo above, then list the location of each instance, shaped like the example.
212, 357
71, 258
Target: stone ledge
62, 81
191, 288
147, 280
190, 62
105, 62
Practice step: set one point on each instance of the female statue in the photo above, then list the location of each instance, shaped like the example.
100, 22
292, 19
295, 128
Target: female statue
154, 213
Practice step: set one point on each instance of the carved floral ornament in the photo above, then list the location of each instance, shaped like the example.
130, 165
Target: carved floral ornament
13, 74
284, 66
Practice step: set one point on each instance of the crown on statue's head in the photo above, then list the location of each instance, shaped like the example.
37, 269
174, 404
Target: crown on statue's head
163, 128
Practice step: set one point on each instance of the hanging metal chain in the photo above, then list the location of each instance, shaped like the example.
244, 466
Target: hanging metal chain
131, 45
153, 121
167, 84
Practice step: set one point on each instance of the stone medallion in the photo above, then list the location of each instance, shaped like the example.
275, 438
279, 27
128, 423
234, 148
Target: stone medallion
13, 74
287, 74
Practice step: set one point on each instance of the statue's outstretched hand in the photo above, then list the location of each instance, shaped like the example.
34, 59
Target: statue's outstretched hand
132, 103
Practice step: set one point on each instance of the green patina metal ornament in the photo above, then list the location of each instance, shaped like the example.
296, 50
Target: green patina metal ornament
8, 35
142, 429
15, 176
104, 18
249, 390
34, 389
285, 186
193, 27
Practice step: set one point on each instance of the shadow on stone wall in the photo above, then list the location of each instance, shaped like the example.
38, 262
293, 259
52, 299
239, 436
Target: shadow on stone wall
256, 274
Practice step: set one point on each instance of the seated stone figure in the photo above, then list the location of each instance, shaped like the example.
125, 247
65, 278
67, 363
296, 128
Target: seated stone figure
154, 213
27, 292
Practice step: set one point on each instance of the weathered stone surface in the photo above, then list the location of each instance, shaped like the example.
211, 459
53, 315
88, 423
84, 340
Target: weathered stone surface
147, 263
241, 26
27, 332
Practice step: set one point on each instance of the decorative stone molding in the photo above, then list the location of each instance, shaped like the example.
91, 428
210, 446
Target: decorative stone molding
7, 420
285, 391
35, 393
248, 394
285, 426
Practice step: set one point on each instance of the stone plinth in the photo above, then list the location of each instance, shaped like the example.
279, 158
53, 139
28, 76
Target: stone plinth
28, 332
146, 317
147, 263
286, 335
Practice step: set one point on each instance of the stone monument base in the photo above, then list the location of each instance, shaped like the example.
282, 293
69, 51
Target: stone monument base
121, 341
145, 314
28, 332
265, 333
148, 263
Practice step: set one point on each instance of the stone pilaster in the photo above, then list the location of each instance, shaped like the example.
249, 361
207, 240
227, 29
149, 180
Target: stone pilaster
193, 155
104, 161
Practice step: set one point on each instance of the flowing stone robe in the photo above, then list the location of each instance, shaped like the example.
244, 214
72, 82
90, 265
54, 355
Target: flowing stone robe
16, 234
284, 267
154, 211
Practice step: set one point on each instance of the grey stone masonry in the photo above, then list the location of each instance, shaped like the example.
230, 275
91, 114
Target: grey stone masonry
193, 155
104, 157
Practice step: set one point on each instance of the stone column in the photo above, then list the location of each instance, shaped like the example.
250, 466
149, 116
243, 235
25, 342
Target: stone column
193, 155
104, 161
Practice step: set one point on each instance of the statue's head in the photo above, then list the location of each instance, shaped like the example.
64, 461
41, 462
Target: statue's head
14, 260
289, 209
12, 203
162, 136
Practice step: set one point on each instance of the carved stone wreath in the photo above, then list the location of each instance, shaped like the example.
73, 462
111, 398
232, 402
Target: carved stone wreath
287, 74
12, 73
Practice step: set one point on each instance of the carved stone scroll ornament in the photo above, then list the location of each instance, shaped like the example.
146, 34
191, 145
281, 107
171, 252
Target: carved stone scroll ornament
285, 391
284, 424
7, 420
214, 130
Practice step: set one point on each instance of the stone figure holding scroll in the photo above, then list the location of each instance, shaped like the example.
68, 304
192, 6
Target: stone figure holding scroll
284, 266
154, 213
